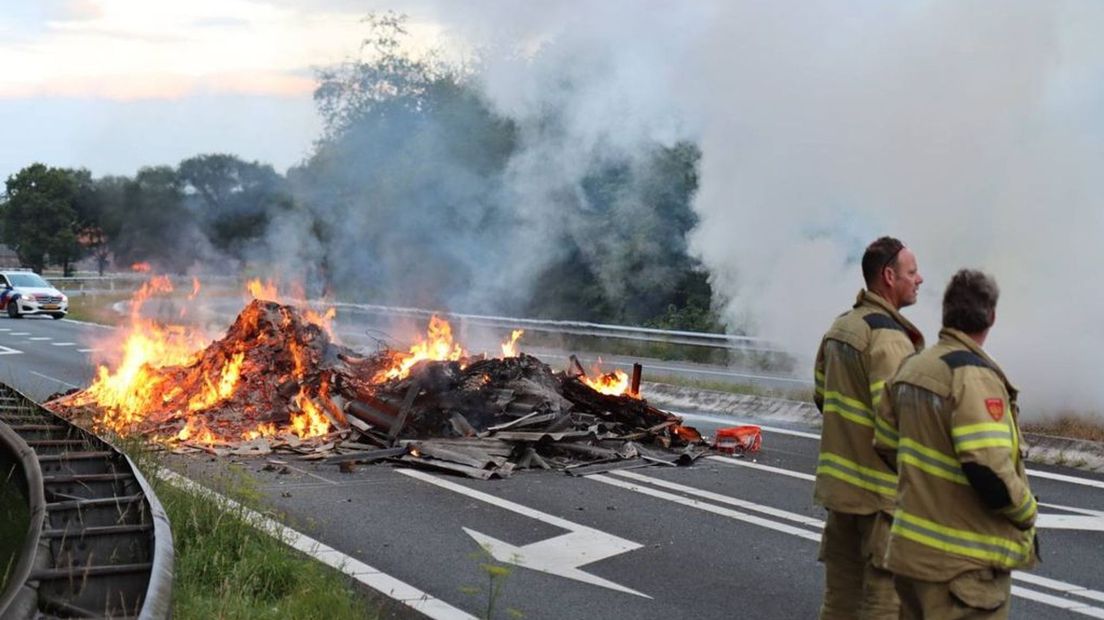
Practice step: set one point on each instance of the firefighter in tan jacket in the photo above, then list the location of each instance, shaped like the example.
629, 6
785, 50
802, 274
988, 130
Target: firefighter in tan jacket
862, 349
965, 514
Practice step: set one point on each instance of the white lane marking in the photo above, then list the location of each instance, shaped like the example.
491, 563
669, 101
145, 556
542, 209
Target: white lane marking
64, 344
774, 470
1070, 522
87, 350
1092, 522
1047, 599
20, 334
1089, 482
36, 338
9, 351
724, 499
369, 576
1061, 586
5, 329
735, 421
561, 555
54, 379
693, 503
1083, 511
1059, 602
1045, 521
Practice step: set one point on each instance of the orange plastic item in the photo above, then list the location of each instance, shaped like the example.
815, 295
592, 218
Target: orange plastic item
738, 439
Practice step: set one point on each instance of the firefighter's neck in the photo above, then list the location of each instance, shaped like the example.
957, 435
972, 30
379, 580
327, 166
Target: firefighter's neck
979, 337
886, 293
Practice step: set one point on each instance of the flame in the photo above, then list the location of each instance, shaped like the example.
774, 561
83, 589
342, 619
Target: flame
311, 422
266, 291
195, 289
323, 320
140, 267
614, 383
228, 380
196, 431
509, 348
439, 346
267, 429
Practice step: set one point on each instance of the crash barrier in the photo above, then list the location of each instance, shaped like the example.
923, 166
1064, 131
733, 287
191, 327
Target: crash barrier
98, 542
576, 328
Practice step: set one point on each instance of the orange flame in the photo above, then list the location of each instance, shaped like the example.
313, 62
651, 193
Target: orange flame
140, 267
323, 320
439, 346
613, 383
509, 348
267, 291
311, 422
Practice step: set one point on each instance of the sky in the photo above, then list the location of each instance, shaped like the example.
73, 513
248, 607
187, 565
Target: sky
971, 129
113, 85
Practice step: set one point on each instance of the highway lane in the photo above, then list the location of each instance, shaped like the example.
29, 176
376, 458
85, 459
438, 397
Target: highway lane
723, 538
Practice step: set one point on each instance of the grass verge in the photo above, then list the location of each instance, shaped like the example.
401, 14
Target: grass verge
1070, 425
96, 308
228, 568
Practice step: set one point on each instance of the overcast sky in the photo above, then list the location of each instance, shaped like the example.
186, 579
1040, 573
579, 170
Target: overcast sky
112, 85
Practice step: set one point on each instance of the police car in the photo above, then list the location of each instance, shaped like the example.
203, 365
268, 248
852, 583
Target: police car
25, 292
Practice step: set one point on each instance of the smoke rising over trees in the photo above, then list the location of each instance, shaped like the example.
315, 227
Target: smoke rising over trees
422, 192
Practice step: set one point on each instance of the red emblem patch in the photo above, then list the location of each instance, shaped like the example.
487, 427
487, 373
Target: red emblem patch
995, 406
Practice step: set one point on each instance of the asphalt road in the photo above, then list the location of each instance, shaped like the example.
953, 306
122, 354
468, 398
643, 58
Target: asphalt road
723, 538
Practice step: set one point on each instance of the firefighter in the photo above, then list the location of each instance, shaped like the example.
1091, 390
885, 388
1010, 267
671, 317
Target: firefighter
965, 514
862, 349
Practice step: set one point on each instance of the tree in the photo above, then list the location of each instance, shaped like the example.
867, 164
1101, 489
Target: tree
153, 224
234, 199
40, 217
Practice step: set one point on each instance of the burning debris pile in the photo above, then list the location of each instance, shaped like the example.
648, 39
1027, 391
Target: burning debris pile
277, 381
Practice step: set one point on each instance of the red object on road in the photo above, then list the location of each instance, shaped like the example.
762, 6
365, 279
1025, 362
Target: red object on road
738, 439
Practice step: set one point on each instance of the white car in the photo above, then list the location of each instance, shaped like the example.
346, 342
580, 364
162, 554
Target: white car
25, 292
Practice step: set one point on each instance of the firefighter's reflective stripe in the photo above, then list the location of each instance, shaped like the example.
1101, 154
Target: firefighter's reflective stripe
850, 409
1000, 551
984, 435
851, 472
1023, 512
885, 433
876, 390
930, 461
819, 387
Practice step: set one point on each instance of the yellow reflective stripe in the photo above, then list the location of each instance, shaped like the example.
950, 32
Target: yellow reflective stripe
876, 390
848, 408
851, 472
1024, 511
1002, 552
984, 435
884, 433
984, 427
819, 382
930, 461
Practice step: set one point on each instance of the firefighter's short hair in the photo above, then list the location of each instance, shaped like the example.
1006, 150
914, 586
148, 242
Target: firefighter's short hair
880, 254
970, 301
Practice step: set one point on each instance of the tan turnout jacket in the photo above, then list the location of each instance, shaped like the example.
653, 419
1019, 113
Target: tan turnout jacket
858, 354
951, 423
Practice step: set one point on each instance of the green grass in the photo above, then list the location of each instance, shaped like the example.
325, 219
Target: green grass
226, 567
96, 308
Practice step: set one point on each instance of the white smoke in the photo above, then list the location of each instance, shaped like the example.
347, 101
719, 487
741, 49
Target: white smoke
970, 130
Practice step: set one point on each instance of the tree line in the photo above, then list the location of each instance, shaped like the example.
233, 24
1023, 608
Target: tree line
412, 195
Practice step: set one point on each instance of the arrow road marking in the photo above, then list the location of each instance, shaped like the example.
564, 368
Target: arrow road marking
561, 555
8, 351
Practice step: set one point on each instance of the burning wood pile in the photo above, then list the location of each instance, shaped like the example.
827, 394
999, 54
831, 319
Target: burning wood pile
278, 381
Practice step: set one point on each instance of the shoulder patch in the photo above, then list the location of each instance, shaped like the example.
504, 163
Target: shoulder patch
876, 320
960, 358
995, 407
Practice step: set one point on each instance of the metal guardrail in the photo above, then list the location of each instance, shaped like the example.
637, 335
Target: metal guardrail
575, 328
99, 543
